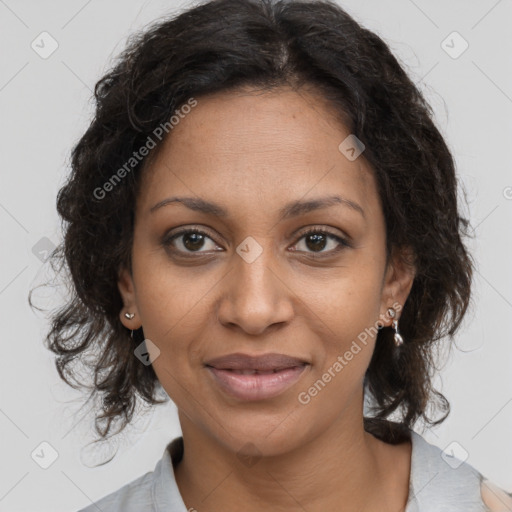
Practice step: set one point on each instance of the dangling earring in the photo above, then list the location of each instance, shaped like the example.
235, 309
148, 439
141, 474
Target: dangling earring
397, 337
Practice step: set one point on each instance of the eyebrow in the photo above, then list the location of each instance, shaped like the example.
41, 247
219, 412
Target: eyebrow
290, 210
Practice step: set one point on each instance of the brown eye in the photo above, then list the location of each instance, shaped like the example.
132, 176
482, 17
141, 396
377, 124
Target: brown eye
193, 241
190, 241
316, 240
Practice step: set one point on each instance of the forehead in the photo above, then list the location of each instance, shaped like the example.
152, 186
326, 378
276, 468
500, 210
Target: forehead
247, 147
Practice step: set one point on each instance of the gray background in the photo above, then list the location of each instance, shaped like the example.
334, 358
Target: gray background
45, 107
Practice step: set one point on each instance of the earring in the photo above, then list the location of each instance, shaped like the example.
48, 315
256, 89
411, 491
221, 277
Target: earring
130, 316
397, 337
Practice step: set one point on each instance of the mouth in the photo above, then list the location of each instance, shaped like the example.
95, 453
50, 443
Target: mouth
253, 372
252, 378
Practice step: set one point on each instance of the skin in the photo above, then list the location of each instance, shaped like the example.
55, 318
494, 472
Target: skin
252, 152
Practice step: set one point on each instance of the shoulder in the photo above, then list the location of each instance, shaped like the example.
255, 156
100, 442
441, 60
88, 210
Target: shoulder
133, 496
442, 482
496, 499
155, 490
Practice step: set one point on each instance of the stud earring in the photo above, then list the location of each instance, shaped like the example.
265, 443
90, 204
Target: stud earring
130, 317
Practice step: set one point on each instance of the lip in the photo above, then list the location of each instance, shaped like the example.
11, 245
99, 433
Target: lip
279, 373
264, 362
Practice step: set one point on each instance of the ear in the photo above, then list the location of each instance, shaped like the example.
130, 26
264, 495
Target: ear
397, 283
127, 291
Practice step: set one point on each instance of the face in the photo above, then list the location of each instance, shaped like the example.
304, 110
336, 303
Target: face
244, 276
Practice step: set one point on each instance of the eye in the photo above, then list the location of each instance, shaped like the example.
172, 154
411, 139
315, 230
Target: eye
192, 240
316, 240
189, 241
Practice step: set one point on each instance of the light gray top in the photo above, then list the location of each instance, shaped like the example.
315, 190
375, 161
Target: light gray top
438, 483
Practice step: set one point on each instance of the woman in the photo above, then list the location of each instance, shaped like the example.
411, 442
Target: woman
263, 222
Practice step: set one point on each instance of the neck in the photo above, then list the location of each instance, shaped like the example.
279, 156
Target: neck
342, 465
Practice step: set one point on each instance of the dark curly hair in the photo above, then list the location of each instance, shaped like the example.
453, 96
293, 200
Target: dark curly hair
224, 45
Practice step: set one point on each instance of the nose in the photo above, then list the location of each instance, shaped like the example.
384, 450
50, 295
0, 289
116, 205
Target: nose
255, 296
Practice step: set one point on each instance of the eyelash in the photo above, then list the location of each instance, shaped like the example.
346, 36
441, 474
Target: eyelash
343, 243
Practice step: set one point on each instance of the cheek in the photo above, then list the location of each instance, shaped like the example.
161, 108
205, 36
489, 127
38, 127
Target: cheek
173, 313
348, 310
169, 299
173, 321
349, 303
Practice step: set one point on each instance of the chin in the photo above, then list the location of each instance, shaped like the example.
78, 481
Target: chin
265, 437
